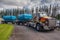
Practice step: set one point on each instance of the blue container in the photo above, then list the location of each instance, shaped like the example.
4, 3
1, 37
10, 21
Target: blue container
9, 18
25, 17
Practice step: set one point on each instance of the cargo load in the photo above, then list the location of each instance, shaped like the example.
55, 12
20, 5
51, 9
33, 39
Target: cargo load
25, 17
9, 18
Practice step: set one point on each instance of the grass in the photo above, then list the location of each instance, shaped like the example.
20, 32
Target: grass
5, 31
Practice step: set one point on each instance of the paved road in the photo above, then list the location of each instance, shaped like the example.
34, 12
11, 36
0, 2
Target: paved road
27, 33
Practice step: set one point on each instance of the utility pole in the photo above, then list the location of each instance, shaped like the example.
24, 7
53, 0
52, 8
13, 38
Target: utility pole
50, 13
34, 10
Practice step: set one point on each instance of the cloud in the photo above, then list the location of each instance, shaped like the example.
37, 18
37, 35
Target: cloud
14, 2
20, 3
9, 3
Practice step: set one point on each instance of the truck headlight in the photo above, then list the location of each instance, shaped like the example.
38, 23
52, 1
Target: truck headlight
42, 20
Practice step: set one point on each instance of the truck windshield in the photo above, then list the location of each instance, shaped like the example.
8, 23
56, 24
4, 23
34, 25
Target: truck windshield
43, 14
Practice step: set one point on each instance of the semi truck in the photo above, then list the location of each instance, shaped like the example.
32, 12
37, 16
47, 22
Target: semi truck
43, 22
40, 21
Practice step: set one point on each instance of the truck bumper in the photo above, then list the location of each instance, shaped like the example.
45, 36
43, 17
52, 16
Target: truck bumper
49, 28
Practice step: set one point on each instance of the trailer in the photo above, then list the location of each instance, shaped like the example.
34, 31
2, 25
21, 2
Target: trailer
7, 19
24, 18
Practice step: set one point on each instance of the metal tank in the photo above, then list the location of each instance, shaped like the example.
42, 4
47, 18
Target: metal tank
25, 17
9, 19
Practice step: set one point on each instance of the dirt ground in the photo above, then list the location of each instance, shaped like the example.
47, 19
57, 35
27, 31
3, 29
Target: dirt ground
28, 33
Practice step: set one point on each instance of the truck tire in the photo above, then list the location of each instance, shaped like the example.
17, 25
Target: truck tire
39, 27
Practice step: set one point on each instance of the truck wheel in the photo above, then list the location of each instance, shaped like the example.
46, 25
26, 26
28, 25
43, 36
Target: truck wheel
39, 27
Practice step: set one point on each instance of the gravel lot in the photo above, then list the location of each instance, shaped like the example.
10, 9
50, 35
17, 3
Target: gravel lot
27, 33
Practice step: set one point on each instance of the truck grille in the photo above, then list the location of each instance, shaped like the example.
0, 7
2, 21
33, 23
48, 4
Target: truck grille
52, 23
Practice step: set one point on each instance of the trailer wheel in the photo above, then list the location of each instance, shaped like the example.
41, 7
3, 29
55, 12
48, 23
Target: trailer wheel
13, 22
2, 22
18, 23
6, 22
39, 27
28, 24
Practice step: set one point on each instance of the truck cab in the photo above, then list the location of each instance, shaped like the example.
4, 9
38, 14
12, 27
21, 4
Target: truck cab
41, 21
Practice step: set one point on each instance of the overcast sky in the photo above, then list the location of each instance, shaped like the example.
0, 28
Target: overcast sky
19, 3
12, 3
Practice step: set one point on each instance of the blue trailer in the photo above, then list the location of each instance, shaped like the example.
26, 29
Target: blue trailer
23, 18
7, 19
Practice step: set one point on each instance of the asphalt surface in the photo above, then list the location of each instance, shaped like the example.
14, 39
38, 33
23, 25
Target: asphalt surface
28, 33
